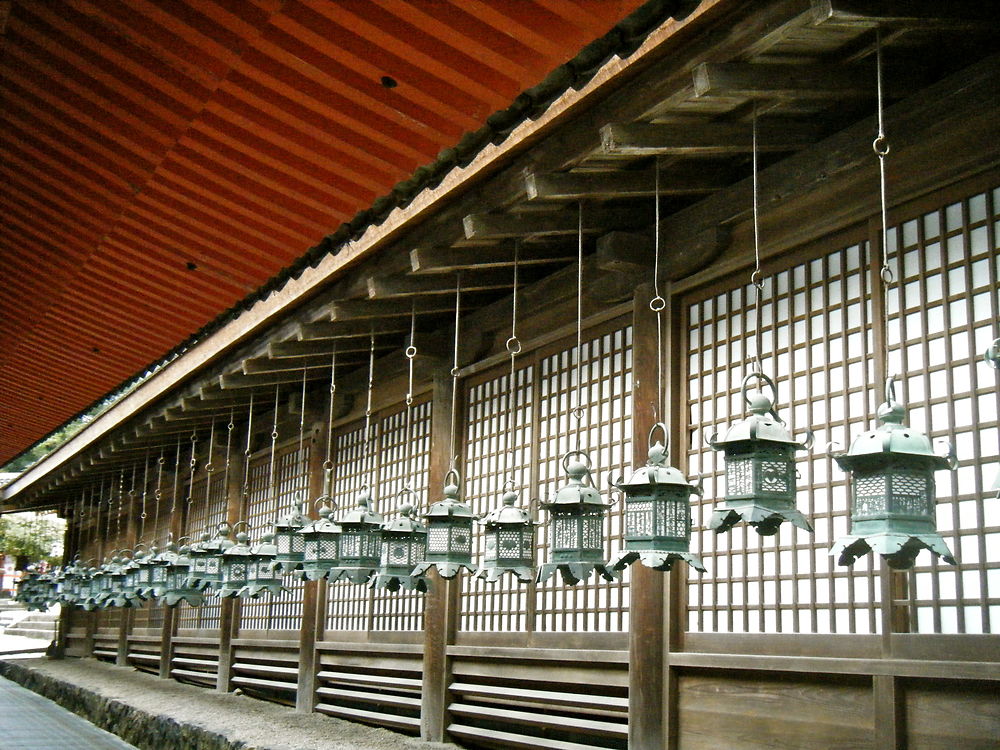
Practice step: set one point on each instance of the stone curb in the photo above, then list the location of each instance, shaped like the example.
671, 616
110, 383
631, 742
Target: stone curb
142, 729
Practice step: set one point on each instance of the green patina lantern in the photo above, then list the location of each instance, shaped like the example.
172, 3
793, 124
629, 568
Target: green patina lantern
161, 564
89, 586
321, 554
404, 544
360, 535
657, 513
71, 584
177, 588
892, 491
130, 569
509, 541
236, 566
101, 585
118, 595
264, 575
198, 556
576, 521
144, 574
213, 550
759, 454
449, 532
289, 542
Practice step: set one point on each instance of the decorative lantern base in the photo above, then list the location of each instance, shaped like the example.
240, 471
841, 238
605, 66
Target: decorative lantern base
227, 592
493, 573
352, 575
574, 572
287, 566
193, 598
899, 550
254, 591
318, 574
444, 569
764, 518
655, 559
394, 582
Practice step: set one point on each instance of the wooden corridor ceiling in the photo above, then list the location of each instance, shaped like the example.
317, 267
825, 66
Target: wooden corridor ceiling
161, 159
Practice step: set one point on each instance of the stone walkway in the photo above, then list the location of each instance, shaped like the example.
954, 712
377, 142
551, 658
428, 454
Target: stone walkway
30, 722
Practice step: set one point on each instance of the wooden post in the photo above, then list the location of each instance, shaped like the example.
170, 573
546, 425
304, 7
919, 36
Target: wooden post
305, 694
229, 609
441, 603
169, 628
58, 648
125, 624
646, 610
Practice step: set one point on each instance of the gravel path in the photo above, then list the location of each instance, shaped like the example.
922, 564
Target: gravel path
258, 725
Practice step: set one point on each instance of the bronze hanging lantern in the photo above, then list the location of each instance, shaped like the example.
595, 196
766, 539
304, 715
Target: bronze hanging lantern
509, 541
178, 575
759, 455
892, 491
449, 533
321, 540
213, 550
198, 556
288, 540
576, 519
263, 576
236, 566
88, 589
403, 546
657, 513
118, 595
360, 535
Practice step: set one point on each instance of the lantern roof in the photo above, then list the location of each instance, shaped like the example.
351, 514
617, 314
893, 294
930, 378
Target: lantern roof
450, 506
656, 472
762, 425
241, 548
507, 513
362, 513
294, 520
322, 525
405, 522
265, 547
891, 437
578, 490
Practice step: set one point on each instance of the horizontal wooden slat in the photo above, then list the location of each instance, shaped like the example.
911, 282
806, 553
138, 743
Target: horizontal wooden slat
497, 739
531, 718
575, 700
353, 678
395, 721
377, 698
269, 684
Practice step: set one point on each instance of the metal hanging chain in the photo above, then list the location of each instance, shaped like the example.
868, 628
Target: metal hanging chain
657, 304
453, 459
274, 441
229, 454
177, 471
410, 352
367, 458
578, 410
246, 453
193, 463
756, 278
157, 494
301, 493
111, 500
513, 348
145, 491
881, 147
328, 463
209, 466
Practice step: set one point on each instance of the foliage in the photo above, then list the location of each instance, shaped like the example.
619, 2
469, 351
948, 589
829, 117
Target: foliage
32, 535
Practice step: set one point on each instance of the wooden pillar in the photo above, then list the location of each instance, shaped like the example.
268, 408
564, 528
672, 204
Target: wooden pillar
441, 603
58, 648
125, 624
230, 608
169, 628
305, 693
646, 610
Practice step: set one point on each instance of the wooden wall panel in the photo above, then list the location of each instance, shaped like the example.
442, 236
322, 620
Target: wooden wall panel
756, 710
942, 715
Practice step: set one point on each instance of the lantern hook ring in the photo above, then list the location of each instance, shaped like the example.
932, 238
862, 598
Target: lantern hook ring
886, 275
881, 145
757, 279
765, 380
328, 465
245, 524
411, 351
453, 472
513, 345
509, 486
325, 499
586, 462
663, 431
657, 304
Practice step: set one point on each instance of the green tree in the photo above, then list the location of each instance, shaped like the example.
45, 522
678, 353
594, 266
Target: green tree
31, 537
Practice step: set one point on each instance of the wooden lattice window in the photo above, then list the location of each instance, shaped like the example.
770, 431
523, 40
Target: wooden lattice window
206, 512
354, 606
949, 264
817, 345
545, 390
263, 508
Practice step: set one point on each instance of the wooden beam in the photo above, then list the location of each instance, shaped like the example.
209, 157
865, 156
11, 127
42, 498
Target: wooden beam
259, 365
404, 286
366, 309
682, 254
503, 226
775, 81
572, 186
238, 380
704, 138
954, 14
319, 348
325, 329
449, 260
